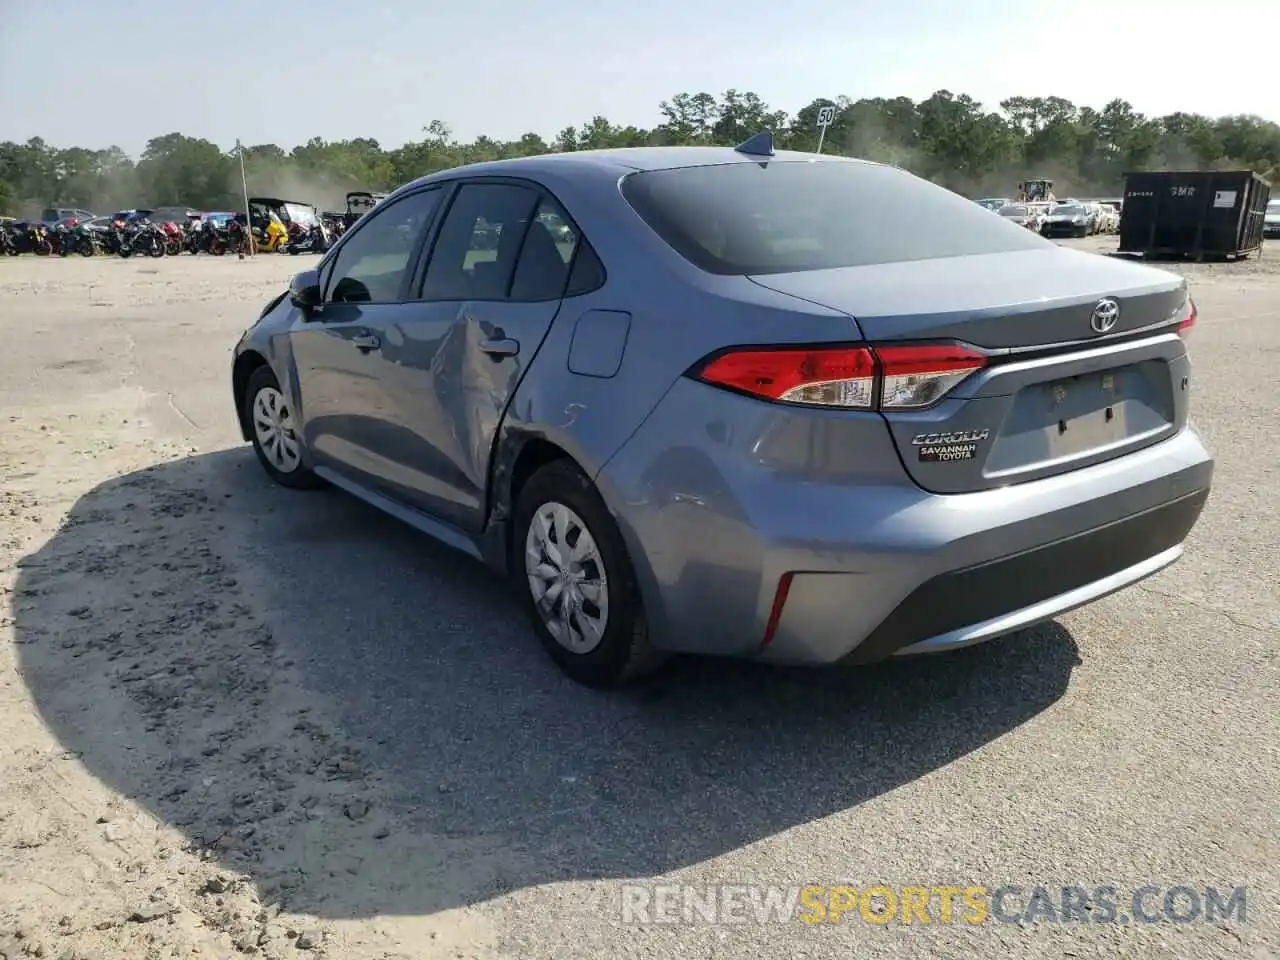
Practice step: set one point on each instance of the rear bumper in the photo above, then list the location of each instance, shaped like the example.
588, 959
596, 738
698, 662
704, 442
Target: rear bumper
992, 599
1004, 566
875, 566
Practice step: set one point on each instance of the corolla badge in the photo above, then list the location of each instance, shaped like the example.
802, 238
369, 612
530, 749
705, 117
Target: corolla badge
949, 447
1105, 314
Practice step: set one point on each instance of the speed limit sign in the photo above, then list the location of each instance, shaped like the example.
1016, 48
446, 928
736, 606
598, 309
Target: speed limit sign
826, 116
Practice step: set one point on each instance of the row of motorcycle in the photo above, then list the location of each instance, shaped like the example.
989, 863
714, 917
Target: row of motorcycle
146, 238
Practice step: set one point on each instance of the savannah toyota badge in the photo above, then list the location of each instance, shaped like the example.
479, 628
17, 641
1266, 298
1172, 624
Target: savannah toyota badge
947, 447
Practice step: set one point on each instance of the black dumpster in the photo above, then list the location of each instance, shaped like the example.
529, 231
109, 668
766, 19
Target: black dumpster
1201, 214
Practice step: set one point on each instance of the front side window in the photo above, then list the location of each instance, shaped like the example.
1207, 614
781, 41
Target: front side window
785, 216
475, 253
371, 264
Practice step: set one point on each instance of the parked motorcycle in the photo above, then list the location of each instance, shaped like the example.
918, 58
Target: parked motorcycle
173, 238
238, 238
192, 231
312, 239
34, 238
142, 237
82, 240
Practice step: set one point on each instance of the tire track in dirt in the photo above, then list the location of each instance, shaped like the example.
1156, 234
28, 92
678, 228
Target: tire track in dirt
133, 640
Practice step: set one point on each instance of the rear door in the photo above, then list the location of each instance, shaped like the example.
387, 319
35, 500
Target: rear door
1067, 378
487, 296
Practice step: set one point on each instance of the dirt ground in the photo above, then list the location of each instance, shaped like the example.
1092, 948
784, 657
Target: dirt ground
242, 720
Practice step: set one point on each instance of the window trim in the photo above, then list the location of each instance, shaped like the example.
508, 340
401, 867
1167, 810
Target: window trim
329, 263
543, 193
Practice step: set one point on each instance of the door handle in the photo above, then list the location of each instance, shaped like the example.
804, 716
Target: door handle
501, 347
366, 342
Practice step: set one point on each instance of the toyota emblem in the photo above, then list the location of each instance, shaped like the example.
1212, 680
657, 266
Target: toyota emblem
1105, 315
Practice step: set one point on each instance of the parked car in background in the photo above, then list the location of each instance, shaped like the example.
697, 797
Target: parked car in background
54, 215
994, 203
848, 457
1271, 219
1069, 220
173, 214
1109, 217
129, 216
1021, 214
1040, 209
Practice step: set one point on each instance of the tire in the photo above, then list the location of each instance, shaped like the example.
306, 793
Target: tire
622, 653
286, 470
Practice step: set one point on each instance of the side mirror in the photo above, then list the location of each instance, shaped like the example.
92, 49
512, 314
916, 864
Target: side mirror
304, 290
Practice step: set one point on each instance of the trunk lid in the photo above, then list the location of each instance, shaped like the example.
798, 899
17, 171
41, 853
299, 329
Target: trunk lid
1057, 395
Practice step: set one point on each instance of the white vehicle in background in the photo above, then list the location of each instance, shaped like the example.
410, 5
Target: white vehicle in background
1110, 217
1271, 220
1096, 216
1040, 211
994, 203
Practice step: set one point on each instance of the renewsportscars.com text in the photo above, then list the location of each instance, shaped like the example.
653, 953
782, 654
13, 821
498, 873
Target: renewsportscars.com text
933, 904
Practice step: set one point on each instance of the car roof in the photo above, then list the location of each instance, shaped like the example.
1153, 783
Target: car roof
615, 163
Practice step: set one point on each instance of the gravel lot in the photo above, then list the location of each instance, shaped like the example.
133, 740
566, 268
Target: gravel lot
240, 719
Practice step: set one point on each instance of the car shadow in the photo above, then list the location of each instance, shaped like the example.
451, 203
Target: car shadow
158, 627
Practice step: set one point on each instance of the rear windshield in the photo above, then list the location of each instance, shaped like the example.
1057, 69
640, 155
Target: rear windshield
787, 216
1070, 209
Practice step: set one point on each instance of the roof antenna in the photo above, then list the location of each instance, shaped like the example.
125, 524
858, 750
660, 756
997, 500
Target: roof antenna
758, 145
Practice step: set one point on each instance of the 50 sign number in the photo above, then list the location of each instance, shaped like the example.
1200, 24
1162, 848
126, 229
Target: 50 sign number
826, 117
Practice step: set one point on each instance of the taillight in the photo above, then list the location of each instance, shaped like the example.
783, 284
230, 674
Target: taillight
918, 376
892, 377
830, 376
1188, 318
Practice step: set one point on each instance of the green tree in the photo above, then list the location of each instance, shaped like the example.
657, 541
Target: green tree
948, 137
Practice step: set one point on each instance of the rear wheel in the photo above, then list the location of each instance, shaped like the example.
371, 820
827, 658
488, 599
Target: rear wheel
577, 581
274, 432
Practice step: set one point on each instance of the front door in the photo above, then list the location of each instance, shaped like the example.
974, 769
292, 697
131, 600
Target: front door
491, 287
347, 420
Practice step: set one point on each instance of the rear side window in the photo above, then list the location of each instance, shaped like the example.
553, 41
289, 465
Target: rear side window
475, 254
549, 245
789, 216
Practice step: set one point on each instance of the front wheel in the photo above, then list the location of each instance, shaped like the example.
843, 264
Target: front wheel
274, 432
571, 566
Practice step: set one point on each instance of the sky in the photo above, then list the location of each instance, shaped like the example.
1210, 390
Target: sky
118, 72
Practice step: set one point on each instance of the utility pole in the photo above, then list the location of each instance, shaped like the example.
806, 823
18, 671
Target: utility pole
244, 185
